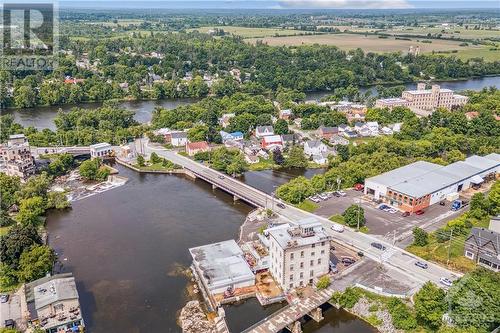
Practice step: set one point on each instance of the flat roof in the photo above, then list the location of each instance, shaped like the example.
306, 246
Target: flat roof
421, 178
100, 145
291, 237
51, 289
221, 263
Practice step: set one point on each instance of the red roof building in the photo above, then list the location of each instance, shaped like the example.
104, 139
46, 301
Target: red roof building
197, 147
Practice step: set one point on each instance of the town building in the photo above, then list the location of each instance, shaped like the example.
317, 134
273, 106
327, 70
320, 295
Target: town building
225, 119
299, 253
483, 247
271, 142
414, 50
17, 158
101, 150
338, 140
285, 114
197, 147
421, 184
495, 224
423, 99
234, 136
327, 132
53, 304
178, 139
262, 131
221, 267
314, 147
289, 139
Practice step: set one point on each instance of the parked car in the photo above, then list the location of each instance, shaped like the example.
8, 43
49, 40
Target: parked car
360, 254
421, 264
419, 212
445, 281
405, 214
442, 203
393, 210
338, 227
378, 246
281, 205
336, 194
359, 187
4, 298
333, 268
347, 261
383, 207
323, 196
342, 193
221, 177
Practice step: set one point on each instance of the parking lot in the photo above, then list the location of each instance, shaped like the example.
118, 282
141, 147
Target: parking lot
388, 225
11, 310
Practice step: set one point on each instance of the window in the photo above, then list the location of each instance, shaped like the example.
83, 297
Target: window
311, 273
301, 275
291, 285
291, 256
311, 263
291, 277
291, 268
319, 261
301, 265
302, 254
322, 251
469, 255
322, 243
313, 253
313, 246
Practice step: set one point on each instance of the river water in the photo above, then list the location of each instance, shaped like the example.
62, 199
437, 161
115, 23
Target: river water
42, 117
125, 247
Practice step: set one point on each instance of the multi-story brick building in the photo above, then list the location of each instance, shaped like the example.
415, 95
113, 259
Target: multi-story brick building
298, 253
17, 158
425, 99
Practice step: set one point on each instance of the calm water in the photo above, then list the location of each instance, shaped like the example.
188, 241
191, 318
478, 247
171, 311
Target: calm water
124, 246
42, 117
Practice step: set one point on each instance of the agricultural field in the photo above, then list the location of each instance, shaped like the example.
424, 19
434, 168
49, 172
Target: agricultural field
251, 32
370, 43
455, 32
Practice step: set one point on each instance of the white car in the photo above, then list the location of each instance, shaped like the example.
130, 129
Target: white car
342, 193
337, 228
393, 210
445, 281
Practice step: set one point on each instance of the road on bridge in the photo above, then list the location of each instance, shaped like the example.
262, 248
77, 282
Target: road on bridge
392, 256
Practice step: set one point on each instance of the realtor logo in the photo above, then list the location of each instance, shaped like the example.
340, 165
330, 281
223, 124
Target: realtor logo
29, 33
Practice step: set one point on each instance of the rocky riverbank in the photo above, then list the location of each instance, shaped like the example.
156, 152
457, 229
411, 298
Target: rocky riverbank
375, 315
193, 320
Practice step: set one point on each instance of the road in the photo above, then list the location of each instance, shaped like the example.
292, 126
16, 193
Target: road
392, 256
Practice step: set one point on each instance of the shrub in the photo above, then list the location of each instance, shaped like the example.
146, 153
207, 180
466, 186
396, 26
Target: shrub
402, 318
323, 282
420, 237
349, 298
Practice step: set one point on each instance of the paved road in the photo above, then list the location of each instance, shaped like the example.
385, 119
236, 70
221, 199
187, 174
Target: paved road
392, 256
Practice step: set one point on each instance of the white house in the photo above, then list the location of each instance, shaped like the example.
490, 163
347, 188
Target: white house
338, 140
179, 139
262, 131
320, 158
314, 147
100, 150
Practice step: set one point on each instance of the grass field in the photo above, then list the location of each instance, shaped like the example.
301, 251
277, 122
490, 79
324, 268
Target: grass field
308, 206
456, 32
484, 53
250, 32
367, 43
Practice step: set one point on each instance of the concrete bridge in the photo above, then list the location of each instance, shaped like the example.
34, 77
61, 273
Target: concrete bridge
74, 150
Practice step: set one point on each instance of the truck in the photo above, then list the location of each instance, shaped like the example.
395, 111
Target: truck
458, 204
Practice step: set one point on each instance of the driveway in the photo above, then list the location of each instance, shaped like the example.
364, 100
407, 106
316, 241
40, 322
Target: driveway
11, 310
386, 225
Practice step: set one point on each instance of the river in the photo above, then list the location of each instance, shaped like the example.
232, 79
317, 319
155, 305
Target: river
43, 117
125, 245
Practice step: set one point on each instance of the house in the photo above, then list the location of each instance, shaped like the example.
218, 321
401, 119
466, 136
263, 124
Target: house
299, 253
373, 127
178, 139
101, 150
483, 247
364, 131
344, 128
396, 128
251, 159
358, 126
327, 132
225, 119
350, 134
54, 303
298, 122
263, 154
338, 140
262, 131
314, 147
285, 114
197, 147
386, 130
270, 142
289, 139
471, 115
320, 158
234, 136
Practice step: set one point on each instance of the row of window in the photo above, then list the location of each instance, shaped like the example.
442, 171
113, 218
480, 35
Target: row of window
311, 264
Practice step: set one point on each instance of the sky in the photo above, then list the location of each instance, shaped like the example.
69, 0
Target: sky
288, 4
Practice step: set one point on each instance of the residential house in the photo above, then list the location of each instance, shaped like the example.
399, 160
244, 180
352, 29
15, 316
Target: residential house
396, 128
373, 127
483, 246
197, 147
320, 158
225, 119
364, 131
234, 136
298, 122
262, 131
285, 114
251, 159
314, 147
386, 130
263, 154
271, 142
471, 115
338, 140
344, 128
350, 134
358, 126
178, 139
289, 139
327, 132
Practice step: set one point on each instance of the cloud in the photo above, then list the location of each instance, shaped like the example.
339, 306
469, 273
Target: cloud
360, 4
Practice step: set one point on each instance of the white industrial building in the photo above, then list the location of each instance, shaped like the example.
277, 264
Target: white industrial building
100, 150
221, 266
299, 253
421, 184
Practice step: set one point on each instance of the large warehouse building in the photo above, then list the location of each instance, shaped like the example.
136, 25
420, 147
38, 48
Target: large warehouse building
421, 184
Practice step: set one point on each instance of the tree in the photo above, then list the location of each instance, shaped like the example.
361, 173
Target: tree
140, 161
15, 242
420, 237
295, 191
323, 282
36, 262
36, 186
57, 200
30, 210
88, 169
430, 305
278, 157
353, 214
154, 158
8, 187
343, 152
296, 158
474, 300
237, 166
281, 127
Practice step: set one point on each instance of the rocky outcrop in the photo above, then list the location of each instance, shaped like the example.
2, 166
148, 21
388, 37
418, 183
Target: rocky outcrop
193, 320
362, 309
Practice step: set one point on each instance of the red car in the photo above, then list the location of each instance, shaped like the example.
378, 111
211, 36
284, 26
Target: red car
419, 212
359, 187
405, 214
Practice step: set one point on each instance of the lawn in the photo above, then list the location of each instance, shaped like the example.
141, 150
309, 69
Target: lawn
370, 43
250, 32
308, 206
263, 164
340, 219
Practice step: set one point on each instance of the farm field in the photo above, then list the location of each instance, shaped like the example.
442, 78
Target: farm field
367, 43
250, 32
456, 32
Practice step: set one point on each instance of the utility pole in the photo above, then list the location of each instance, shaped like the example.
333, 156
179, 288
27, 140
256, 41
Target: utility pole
449, 247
